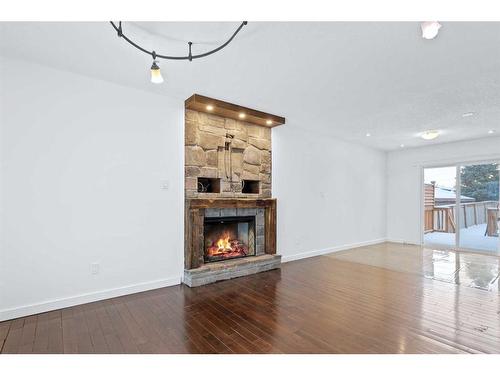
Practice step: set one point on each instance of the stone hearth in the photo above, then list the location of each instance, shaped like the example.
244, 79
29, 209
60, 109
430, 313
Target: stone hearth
229, 269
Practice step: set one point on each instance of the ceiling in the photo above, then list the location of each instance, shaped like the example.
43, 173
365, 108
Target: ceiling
343, 79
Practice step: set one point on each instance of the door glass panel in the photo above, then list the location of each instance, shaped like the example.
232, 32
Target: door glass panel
478, 217
439, 207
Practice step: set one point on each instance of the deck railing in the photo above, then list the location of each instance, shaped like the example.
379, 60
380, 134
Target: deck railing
442, 218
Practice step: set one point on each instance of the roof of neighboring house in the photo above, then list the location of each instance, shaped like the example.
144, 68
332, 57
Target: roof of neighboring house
442, 194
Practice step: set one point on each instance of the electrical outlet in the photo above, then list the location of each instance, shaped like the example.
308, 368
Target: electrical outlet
95, 268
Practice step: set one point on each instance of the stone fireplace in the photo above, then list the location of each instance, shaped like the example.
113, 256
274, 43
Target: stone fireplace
230, 222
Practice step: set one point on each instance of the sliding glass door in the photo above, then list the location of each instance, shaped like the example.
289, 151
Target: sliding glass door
478, 208
461, 207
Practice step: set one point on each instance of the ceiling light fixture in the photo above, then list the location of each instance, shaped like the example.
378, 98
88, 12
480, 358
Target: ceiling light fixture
467, 114
242, 115
491, 131
368, 135
430, 29
269, 122
430, 134
402, 145
153, 54
156, 76
210, 107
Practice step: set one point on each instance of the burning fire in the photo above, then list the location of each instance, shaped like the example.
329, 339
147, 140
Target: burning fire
226, 247
224, 244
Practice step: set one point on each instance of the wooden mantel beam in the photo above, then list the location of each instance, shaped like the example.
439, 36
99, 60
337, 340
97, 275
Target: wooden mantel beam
224, 109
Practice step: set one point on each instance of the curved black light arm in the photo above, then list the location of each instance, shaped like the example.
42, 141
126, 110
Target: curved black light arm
188, 57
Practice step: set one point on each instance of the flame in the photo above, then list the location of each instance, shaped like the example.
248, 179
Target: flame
224, 243
227, 247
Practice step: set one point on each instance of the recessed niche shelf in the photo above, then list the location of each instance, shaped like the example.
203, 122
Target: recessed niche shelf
251, 187
208, 185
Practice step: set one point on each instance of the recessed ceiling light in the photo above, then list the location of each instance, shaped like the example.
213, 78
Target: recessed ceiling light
269, 122
430, 134
210, 107
368, 135
491, 131
241, 115
401, 145
467, 114
430, 29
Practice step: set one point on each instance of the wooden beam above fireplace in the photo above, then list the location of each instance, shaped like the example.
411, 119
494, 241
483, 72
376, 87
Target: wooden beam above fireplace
217, 107
197, 203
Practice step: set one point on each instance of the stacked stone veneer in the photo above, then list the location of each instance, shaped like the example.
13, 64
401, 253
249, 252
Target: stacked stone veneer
205, 155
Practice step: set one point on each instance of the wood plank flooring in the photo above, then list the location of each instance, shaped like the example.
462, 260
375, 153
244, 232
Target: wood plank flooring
317, 305
475, 270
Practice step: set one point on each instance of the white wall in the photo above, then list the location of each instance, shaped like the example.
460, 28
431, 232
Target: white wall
81, 165
331, 194
404, 187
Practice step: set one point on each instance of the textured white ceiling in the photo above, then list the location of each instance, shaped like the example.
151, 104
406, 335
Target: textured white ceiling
340, 79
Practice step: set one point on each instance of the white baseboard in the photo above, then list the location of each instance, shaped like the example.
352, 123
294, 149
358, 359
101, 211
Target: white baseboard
313, 253
404, 242
61, 303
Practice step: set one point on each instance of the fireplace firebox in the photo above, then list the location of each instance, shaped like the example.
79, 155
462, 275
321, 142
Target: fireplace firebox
228, 238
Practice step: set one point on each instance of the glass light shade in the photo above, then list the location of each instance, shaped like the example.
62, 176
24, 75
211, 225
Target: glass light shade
430, 134
430, 29
156, 76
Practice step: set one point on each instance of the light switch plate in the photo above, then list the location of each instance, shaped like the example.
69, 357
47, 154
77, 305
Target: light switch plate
95, 268
164, 184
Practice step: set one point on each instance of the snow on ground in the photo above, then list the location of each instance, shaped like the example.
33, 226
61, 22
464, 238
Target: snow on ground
470, 238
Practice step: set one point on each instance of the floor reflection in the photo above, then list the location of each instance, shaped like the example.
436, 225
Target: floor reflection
235, 317
468, 269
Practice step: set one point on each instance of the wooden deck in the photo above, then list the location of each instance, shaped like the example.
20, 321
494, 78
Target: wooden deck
317, 305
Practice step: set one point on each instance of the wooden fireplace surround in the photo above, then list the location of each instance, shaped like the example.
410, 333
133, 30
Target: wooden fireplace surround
194, 223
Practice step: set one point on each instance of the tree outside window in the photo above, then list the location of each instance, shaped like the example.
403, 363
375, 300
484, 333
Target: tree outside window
480, 182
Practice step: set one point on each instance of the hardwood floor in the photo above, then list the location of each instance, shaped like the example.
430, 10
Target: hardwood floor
474, 270
317, 305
